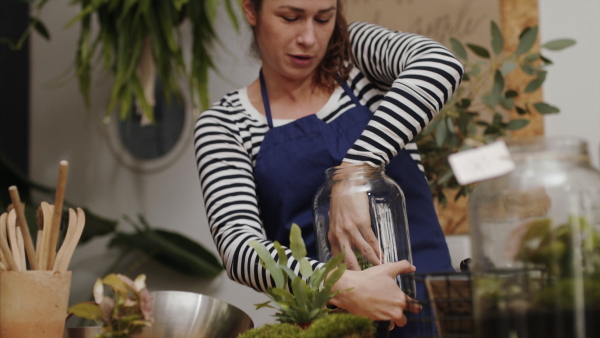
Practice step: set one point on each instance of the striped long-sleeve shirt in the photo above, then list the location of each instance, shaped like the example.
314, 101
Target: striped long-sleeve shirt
405, 79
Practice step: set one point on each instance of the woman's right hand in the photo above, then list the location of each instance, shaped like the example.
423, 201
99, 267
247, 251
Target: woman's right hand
374, 293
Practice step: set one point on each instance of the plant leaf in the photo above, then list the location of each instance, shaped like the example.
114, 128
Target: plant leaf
41, 29
497, 39
173, 250
544, 108
269, 262
517, 124
508, 66
87, 310
527, 40
458, 49
296, 242
479, 51
536, 83
282, 257
558, 44
305, 268
440, 133
497, 90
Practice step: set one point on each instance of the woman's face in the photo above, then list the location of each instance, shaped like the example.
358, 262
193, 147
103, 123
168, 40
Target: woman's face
292, 35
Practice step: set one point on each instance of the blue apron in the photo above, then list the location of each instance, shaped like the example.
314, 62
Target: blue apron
290, 167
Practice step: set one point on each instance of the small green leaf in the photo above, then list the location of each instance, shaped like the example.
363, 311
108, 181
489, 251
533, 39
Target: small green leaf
446, 177
440, 133
507, 103
497, 39
296, 242
305, 268
536, 83
41, 29
546, 60
479, 51
86, 310
521, 111
511, 93
497, 90
544, 108
558, 44
517, 124
531, 57
458, 49
508, 66
269, 262
527, 40
450, 124
282, 257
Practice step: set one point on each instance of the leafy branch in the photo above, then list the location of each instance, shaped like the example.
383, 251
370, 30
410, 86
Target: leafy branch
475, 115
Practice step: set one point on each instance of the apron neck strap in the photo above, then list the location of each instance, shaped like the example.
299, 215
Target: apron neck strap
265, 98
350, 93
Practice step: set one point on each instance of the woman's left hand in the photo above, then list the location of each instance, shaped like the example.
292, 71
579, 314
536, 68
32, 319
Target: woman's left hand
350, 224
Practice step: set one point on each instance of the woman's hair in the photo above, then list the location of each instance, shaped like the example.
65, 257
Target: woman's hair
338, 60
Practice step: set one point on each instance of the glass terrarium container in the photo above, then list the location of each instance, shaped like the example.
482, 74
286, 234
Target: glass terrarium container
536, 244
387, 210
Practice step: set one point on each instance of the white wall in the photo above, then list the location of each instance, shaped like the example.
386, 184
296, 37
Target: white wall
62, 129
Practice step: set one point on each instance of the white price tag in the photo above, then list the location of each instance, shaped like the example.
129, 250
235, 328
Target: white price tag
482, 163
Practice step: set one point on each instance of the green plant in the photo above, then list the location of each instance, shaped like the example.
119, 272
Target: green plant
475, 115
342, 325
136, 38
124, 314
310, 292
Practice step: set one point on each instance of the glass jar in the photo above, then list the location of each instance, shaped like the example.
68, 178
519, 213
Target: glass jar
536, 244
387, 210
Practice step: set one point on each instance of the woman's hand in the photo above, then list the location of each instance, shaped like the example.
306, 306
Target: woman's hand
375, 294
350, 224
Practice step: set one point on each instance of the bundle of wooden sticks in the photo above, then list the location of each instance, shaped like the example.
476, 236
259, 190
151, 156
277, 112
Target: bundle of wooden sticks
16, 244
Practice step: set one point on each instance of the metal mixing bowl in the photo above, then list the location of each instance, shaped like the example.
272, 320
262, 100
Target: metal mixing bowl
187, 314
179, 314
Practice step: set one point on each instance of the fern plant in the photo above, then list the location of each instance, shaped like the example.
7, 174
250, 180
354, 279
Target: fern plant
299, 299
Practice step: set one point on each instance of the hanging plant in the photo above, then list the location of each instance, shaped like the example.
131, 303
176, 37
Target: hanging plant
139, 41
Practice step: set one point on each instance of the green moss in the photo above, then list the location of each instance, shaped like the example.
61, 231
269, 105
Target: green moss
341, 325
274, 330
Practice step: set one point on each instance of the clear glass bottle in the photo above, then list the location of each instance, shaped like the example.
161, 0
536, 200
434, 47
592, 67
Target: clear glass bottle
387, 209
536, 244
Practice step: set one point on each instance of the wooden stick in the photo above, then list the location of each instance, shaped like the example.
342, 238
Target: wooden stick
66, 259
22, 224
11, 227
46, 218
58, 206
12, 265
21, 248
68, 237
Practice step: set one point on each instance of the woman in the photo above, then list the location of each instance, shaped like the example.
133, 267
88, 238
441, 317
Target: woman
328, 94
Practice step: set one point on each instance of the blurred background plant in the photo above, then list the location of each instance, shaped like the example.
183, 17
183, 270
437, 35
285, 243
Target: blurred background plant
168, 248
123, 314
476, 114
139, 41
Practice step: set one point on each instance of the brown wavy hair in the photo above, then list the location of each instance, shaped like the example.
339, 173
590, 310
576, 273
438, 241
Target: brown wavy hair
338, 60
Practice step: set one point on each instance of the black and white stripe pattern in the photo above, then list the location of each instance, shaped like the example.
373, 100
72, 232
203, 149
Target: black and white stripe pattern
405, 79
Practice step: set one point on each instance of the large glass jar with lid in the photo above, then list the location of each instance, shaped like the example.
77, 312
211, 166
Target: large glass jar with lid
386, 208
536, 244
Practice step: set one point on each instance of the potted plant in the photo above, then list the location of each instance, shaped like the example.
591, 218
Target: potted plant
301, 301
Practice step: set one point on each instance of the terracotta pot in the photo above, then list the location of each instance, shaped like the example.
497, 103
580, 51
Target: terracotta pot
33, 303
